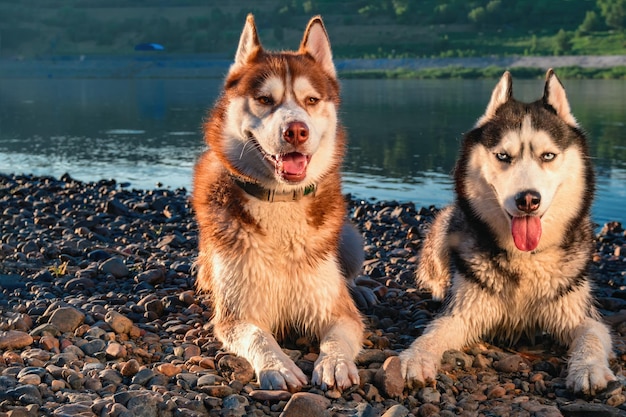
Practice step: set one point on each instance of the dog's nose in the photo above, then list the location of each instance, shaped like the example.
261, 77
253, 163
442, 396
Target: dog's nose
528, 201
296, 132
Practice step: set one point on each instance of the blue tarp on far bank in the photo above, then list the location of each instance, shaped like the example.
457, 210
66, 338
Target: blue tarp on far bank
149, 47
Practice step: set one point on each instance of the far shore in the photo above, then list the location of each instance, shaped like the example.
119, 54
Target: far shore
155, 65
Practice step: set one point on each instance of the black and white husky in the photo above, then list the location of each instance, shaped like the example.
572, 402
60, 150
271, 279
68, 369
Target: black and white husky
511, 254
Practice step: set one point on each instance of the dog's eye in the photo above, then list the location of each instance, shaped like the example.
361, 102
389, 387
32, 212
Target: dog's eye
503, 157
311, 101
265, 100
548, 157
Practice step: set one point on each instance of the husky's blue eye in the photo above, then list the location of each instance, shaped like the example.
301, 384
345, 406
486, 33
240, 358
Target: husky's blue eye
265, 100
503, 157
548, 157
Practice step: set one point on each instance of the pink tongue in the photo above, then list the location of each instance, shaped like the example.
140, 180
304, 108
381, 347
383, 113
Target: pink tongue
526, 232
294, 163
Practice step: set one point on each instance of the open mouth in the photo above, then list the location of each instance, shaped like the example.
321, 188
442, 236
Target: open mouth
291, 167
526, 231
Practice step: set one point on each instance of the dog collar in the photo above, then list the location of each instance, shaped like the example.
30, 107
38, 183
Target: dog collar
272, 196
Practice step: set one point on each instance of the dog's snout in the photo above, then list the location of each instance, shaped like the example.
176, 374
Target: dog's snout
296, 133
528, 201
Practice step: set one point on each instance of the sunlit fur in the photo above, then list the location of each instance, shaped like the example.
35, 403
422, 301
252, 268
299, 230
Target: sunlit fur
272, 268
493, 289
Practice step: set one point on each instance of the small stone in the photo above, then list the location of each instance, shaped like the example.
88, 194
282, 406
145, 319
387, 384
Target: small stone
456, 359
368, 356
588, 409
496, 392
333, 394
115, 266
45, 329
49, 343
31, 379
57, 385
66, 319
429, 395
191, 351
143, 376
511, 363
306, 404
270, 395
144, 404
14, 339
116, 350
130, 368
118, 322
371, 393
116, 207
28, 394
98, 255
207, 379
187, 297
389, 379
93, 346
36, 354
236, 404
616, 400
236, 368
151, 276
219, 391
396, 411
169, 369
428, 410
481, 362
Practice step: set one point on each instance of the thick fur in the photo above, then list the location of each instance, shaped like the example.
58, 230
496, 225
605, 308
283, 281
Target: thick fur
275, 267
493, 288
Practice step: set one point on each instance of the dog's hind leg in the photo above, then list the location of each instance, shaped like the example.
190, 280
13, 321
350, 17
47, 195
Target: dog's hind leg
588, 365
433, 272
274, 369
351, 257
351, 253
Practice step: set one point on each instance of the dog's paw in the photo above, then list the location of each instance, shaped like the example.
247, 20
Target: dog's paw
418, 367
282, 376
334, 371
362, 291
588, 379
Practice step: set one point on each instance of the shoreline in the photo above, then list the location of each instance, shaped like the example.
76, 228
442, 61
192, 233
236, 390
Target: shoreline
202, 66
98, 314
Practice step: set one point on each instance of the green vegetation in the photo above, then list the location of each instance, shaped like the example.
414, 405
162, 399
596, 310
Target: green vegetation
488, 72
358, 28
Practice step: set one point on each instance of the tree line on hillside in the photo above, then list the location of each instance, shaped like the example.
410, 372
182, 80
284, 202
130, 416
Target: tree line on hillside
56, 26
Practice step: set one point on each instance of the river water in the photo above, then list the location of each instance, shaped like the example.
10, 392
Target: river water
404, 135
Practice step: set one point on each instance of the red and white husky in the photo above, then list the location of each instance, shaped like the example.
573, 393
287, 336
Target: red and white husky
276, 253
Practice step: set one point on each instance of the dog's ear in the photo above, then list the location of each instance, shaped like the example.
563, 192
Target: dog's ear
249, 44
315, 42
554, 96
502, 93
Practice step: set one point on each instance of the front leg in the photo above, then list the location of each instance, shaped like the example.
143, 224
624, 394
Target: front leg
588, 365
420, 362
274, 369
338, 347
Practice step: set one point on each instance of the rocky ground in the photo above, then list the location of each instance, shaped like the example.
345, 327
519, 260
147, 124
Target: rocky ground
99, 317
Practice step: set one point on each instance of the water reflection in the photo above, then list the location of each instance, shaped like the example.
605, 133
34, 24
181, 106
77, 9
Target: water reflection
404, 134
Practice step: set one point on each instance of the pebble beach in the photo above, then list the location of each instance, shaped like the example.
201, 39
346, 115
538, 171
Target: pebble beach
99, 317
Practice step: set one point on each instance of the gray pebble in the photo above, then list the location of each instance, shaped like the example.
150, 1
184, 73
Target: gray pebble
115, 266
